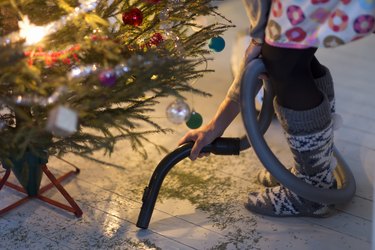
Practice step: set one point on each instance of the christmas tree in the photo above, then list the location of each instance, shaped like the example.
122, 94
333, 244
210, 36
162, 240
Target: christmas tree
77, 76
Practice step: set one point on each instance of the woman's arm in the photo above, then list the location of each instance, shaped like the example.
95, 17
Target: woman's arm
227, 111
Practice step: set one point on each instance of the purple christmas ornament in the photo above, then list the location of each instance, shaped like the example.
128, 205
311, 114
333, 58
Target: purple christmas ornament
107, 78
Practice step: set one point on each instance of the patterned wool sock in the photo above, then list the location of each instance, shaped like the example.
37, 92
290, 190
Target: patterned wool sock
310, 137
325, 85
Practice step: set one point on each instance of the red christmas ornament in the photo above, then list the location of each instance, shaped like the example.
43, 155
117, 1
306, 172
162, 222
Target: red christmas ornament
156, 39
132, 17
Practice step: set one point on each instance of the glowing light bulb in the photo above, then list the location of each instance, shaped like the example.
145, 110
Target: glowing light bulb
32, 33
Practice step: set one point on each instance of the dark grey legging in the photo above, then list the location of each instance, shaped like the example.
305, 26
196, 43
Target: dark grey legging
292, 73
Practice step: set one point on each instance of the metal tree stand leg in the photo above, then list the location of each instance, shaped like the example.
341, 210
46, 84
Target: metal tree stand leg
55, 182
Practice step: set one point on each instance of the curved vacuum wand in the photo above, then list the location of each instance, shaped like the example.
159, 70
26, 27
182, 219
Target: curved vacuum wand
220, 146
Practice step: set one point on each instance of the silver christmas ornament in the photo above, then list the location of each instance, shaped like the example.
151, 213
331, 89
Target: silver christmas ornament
62, 121
178, 112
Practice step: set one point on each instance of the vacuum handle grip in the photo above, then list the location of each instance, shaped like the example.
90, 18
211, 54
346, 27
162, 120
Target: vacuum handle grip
223, 146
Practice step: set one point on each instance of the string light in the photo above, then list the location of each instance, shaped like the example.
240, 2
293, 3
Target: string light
33, 34
29, 100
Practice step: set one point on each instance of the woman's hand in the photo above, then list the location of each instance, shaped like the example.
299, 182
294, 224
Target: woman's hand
227, 111
253, 51
202, 137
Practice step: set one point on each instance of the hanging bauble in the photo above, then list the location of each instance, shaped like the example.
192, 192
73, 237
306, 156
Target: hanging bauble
133, 17
178, 112
107, 78
62, 121
195, 120
156, 39
217, 44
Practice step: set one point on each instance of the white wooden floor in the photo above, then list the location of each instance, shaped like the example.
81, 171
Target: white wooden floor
201, 204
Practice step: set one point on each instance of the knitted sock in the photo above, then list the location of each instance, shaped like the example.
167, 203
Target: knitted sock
325, 85
310, 137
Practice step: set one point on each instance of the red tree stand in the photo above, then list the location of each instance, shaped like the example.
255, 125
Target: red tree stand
55, 182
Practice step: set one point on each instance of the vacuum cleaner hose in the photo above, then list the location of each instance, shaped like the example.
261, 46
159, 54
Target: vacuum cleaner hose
249, 88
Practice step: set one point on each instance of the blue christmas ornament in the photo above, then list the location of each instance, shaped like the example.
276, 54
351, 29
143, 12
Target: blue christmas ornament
217, 44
